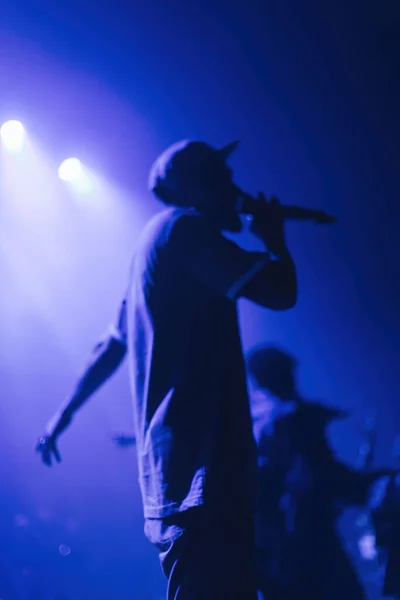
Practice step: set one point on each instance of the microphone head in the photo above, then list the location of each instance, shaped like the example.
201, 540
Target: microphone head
324, 219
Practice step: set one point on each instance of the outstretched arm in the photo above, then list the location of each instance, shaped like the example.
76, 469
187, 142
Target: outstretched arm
104, 360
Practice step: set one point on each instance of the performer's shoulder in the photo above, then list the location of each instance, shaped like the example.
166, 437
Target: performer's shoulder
161, 226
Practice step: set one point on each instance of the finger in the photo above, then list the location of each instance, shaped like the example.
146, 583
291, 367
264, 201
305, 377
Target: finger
46, 458
44, 452
56, 453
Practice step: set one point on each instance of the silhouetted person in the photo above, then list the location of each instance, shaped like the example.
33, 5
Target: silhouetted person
178, 324
385, 509
302, 487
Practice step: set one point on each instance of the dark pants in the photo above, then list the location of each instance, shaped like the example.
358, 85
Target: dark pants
205, 556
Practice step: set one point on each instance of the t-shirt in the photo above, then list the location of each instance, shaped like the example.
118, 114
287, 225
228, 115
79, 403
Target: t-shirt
297, 462
385, 505
301, 487
179, 321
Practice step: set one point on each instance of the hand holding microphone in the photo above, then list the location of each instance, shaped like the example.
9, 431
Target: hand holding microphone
258, 207
267, 221
269, 216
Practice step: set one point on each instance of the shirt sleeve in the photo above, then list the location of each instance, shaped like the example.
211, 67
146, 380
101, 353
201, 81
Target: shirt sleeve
213, 259
118, 329
378, 493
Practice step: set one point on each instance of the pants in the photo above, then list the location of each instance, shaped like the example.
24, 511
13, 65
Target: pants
205, 556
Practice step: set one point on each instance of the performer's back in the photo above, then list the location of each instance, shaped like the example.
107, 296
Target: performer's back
188, 376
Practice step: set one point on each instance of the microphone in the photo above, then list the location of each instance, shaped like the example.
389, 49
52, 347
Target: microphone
123, 440
297, 213
249, 206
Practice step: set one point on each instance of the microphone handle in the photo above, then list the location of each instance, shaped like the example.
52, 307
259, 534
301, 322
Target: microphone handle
297, 213
250, 206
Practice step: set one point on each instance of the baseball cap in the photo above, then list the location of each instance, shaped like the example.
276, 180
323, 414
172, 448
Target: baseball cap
183, 165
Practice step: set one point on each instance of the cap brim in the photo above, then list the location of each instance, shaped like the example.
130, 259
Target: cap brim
226, 151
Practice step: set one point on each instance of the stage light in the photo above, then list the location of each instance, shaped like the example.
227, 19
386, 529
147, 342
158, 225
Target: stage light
70, 169
13, 135
367, 547
74, 173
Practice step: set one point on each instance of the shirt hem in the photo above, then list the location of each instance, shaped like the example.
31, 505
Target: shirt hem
160, 512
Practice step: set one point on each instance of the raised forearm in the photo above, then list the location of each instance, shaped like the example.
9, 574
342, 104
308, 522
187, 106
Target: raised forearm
275, 286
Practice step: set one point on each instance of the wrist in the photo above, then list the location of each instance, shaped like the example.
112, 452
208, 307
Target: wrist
274, 241
278, 250
59, 422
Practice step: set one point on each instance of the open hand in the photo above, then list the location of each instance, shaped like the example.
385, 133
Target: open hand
47, 444
48, 450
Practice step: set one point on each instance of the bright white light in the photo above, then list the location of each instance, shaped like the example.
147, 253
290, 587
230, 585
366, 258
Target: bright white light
70, 169
74, 173
367, 547
13, 135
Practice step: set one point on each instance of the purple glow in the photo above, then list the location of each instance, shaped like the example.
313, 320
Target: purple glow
64, 550
21, 520
13, 136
